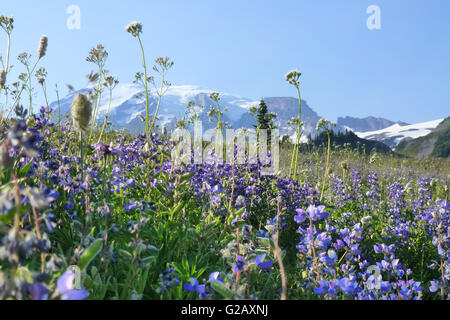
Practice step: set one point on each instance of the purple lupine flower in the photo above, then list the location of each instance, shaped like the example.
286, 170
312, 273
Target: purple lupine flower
38, 291
66, 290
194, 286
215, 276
263, 265
239, 265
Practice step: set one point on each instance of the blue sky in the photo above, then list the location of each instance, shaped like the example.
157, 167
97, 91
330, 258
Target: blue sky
400, 72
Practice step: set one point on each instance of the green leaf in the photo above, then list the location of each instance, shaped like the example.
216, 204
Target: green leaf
239, 213
90, 253
148, 259
177, 209
187, 177
24, 170
221, 289
125, 254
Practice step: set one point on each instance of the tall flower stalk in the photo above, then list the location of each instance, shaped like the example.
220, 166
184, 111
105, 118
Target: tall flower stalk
135, 29
216, 113
42, 49
327, 126
59, 107
24, 58
41, 74
110, 83
293, 77
7, 24
162, 66
81, 110
98, 56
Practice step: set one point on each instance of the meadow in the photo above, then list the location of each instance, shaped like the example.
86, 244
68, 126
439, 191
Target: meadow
88, 212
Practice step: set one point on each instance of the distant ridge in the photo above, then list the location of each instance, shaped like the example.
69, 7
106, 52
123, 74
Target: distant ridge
367, 124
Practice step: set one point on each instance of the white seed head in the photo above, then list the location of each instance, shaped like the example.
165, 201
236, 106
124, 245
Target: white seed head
81, 112
42, 49
135, 28
2, 78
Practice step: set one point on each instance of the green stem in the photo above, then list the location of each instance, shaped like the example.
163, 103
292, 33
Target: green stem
6, 67
7, 53
326, 168
219, 129
59, 107
97, 101
294, 158
159, 101
106, 116
82, 156
147, 111
20, 92
29, 91
44, 87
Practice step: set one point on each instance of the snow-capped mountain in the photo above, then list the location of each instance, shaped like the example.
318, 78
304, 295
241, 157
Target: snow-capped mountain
128, 102
394, 134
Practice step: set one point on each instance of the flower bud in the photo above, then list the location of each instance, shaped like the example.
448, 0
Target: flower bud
2, 78
81, 112
134, 28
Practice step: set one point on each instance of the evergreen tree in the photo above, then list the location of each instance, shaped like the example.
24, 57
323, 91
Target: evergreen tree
264, 119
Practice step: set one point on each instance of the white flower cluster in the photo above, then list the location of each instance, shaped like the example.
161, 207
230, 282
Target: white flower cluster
135, 28
293, 77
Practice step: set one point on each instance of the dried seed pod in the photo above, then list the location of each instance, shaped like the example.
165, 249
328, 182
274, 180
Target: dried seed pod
2, 78
42, 49
81, 112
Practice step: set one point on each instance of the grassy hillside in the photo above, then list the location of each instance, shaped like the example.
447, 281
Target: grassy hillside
435, 144
351, 140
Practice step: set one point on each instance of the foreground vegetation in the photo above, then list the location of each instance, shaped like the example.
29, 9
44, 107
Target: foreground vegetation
91, 213
138, 227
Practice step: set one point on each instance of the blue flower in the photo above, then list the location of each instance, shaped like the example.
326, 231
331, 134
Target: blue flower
317, 213
239, 265
69, 206
323, 287
65, 287
194, 286
262, 234
131, 206
434, 286
347, 285
263, 265
49, 221
300, 216
313, 212
215, 276
131, 183
329, 258
38, 291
